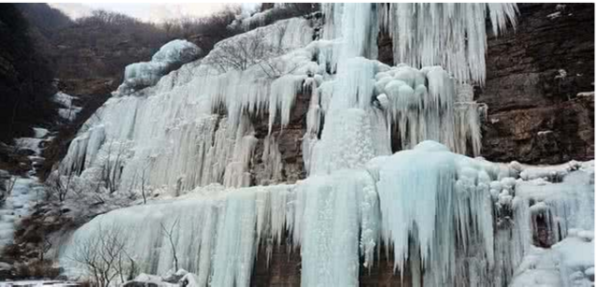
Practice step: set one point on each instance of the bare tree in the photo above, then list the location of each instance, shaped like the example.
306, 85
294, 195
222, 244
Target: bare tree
251, 49
6, 191
143, 184
11, 185
58, 186
45, 243
172, 235
112, 169
169, 26
105, 257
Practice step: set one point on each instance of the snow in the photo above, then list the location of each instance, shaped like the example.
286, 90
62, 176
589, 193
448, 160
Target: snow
40, 132
63, 99
570, 262
32, 144
68, 111
37, 283
18, 205
554, 15
541, 267
552, 173
585, 94
568, 202
26, 190
143, 74
257, 20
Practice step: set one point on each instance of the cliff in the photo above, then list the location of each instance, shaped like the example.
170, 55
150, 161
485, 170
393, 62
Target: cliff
536, 112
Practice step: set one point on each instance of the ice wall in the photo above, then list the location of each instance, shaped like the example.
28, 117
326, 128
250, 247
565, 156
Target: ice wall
197, 125
441, 214
172, 138
335, 220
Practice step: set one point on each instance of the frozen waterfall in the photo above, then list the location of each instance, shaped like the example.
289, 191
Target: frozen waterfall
442, 217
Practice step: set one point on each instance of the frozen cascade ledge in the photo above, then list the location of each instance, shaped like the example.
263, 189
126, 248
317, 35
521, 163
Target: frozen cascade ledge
336, 221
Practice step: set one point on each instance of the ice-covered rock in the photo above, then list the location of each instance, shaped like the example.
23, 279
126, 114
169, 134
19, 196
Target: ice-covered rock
68, 110
170, 56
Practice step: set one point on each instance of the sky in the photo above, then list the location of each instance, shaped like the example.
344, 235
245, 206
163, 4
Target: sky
152, 12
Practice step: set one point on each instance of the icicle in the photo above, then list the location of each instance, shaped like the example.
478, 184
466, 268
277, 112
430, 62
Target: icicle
336, 208
214, 233
450, 34
271, 158
420, 198
283, 94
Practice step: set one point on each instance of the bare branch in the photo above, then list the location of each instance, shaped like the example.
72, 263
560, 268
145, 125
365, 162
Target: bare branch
248, 50
172, 238
105, 257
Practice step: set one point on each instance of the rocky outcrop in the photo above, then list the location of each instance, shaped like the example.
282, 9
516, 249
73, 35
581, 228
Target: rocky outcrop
289, 141
534, 76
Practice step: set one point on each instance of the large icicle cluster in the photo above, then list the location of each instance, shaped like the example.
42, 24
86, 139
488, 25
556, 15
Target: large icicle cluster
452, 35
334, 220
434, 204
368, 101
442, 214
170, 138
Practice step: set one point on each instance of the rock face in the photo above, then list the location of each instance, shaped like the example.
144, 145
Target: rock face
533, 78
290, 144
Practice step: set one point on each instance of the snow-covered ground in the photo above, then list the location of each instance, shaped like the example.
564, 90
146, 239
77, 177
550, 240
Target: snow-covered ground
564, 198
37, 283
569, 262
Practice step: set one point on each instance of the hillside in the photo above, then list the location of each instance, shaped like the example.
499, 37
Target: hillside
26, 78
